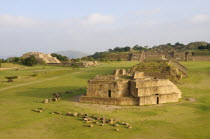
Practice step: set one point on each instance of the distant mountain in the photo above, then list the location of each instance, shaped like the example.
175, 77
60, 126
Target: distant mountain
72, 54
5, 57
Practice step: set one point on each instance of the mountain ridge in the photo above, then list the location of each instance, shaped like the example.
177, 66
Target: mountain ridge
72, 53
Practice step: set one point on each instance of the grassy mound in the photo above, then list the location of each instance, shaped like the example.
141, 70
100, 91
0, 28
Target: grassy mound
162, 70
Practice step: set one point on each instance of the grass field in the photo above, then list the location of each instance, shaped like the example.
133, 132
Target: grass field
11, 65
185, 119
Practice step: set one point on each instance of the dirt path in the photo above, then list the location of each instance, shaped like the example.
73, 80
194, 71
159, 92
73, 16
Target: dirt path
8, 68
34, 82
25, 84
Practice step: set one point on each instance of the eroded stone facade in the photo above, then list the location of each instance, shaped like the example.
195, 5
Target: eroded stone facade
124, 88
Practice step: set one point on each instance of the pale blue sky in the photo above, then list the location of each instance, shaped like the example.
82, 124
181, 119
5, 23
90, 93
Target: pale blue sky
96, 25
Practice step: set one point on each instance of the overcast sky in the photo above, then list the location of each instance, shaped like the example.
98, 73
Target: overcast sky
97, 25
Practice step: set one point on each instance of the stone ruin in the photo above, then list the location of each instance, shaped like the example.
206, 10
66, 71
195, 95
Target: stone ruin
169, 69
125, 88
85, 64
42, 58
156, 55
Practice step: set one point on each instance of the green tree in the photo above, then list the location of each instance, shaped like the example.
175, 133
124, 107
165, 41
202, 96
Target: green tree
60, 57
29, 61
127, 48
110, 50
13, 60
208, 47
75, 60
1, 61
137, 47
88, 58
11, 78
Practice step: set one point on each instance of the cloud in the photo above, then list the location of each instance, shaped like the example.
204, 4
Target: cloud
96, 32
98, 19
148, 12
202, 18
17, 21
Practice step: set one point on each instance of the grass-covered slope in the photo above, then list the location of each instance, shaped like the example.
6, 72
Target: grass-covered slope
162, 70
10, 65
175, 120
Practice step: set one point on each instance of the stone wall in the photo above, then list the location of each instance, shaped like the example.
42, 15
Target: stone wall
149, 56
179, 56
85, 64
166, 98
136, 56
148, 100
199, 58
153, 56
153, 87
153, 82
158, 99
122, 56
105, 77
107, 88
110, 101
152, 90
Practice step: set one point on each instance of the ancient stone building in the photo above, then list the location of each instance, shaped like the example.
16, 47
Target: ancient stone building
125, 88
42, 58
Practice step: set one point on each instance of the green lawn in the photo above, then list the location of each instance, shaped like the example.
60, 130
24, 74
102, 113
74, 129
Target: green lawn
174, 120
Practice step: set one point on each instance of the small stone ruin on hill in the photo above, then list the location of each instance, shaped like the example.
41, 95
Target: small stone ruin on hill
85, 64
130, 88
42, 58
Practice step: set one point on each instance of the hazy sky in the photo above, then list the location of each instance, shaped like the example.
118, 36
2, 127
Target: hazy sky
96, 25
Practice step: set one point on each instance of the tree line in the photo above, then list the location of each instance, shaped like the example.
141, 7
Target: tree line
30, 61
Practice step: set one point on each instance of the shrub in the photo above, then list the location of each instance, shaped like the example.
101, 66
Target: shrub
34, 75
11, 78
29, 61
60, 57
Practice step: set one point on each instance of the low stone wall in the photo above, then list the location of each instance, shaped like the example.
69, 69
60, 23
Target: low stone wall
140, 101
85, 64
136, 56
55, 64
106, 77
199, 58
153, 58
157, 75
110, 101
